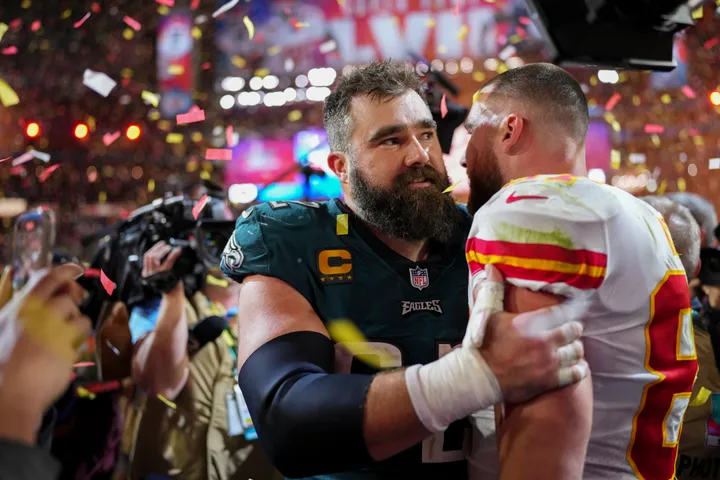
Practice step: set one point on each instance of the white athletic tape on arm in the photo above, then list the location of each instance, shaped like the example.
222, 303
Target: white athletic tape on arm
489, 300
457, 385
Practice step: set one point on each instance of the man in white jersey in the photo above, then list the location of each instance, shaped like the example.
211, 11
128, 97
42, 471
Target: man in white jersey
553, 235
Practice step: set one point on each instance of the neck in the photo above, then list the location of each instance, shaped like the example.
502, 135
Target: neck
226, 296
414, 250
570, 160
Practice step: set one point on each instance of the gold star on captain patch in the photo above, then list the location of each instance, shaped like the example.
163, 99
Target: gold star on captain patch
322, 279
331, 278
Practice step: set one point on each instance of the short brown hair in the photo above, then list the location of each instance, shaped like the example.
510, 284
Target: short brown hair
379, 80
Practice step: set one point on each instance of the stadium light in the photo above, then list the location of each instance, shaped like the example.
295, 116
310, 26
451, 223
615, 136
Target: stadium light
133, 132
81, 131
32, 130
715, 98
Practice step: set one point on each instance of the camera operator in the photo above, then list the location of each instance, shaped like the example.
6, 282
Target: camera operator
185, 353
39, 367
695, 459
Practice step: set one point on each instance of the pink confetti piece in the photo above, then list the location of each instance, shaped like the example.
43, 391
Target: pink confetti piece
206, 66
194, 115
457, 7
525, 20
79, 23
107, 284
95, 7
10, 50
109, 138
443, 107
194, 5
199, 206
24, 158
19, 170
15, 24
694, 132
92, 273
48, 171
35, 26
132, 23
688, 91
711, 43
218, 154
167, 3
4, 159
614, 99
83, 364
652, 128
229, 136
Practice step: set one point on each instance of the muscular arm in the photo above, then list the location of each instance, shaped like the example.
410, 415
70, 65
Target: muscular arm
271, 308
547, 437
160, 362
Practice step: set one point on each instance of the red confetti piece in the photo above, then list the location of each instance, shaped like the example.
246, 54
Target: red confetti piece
652, 128
194, 115
48, 171
83, 364
95, 7
16, 23
109, 138
132, 23
525, 20
167, 3
443, 106
19, 170
4, 159
194, 5
107, 284
103, 387
9, 50
229, 136
79, 23
125, 82
206, 66
35, 26
199, 206
218, 154
688, 91
92, 273
612, 101
694, 132
711, 43
457, 7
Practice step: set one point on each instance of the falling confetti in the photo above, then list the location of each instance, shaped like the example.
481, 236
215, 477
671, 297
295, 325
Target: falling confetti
109, 138
698, 13
132, 23
457, 7
614, 99
107, 284
347, 333
250, 27
98, 82
225, 8
83, 392
167, 402
4, 159
443, 106
10, 50
174, 138
150, 98
8, 97
24, 158
35, 26
167, 3
92, 273
48, 171
652, 128
218, 154
194, 115
453, 186
199, 206
176, 70
3, 28
462, 33
195, 4
229, 136
327, 47
711, 43
84, 364
507, 52
701, 398
714, 164
688, 91
45, 157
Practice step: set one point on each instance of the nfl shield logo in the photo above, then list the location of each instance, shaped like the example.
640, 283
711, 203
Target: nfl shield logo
419, 278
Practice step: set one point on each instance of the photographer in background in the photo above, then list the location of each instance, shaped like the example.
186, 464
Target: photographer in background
44, 355
188, 423
700, 437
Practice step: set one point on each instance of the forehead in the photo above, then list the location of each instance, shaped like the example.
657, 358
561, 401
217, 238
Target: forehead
369, 113
480, 110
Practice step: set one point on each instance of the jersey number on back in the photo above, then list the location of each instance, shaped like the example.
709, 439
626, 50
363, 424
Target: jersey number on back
670, 354
435, 449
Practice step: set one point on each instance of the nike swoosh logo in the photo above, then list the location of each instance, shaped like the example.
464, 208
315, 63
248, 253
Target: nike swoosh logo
516, 198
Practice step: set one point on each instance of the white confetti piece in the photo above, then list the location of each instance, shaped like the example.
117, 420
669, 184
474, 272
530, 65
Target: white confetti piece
507, 52
24, 158
99, 82
328, 46
45, 157
714, 164
225, 8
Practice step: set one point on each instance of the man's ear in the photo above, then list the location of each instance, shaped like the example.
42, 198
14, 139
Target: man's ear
339, 164
510, 131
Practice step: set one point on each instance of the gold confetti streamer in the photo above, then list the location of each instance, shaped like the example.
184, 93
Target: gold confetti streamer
174, 138
239, 62
698, 14
3, 29
462, 33
342, 224
701, 398
151, 185
167, 402
176, 69
294, 115
615, 159
196, 33
150, 98
8, 97
250, 27
681, 185
128, 34
83, 392
217, 282
274, 50
453, 186
346, 332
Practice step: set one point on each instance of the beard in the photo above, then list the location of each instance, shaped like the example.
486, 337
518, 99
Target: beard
485, 180
405, 212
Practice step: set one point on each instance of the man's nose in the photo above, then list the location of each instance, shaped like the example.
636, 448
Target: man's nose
417, 153
463, 162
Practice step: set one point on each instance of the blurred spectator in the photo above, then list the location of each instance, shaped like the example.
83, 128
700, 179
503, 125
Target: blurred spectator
39, 367
703, 212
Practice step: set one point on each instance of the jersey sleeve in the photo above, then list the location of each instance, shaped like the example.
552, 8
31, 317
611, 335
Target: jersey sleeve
267, 242
542, 235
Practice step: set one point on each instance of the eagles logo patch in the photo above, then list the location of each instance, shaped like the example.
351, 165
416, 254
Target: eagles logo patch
233, 255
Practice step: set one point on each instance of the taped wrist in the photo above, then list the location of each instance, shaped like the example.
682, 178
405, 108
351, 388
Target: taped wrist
453, 387
309, 421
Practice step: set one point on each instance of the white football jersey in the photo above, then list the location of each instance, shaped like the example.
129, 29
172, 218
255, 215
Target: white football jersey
571, 236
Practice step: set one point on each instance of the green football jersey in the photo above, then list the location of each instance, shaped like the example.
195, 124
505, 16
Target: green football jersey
414, 312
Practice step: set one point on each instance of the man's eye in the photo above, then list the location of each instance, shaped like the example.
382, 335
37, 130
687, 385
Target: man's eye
427, 135
390, 141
